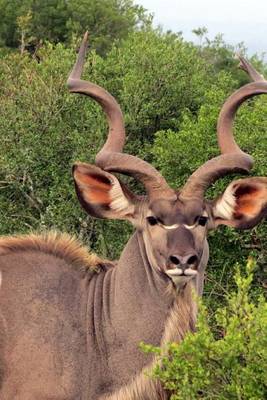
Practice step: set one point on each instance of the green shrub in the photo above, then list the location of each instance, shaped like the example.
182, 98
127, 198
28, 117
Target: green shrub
227, 361
30, 22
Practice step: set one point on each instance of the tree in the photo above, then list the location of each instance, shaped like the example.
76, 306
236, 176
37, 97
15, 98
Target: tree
200, 33
58, 20
24, 28
106, 20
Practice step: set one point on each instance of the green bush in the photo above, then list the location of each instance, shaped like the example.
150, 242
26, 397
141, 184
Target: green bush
229, 363
27, 23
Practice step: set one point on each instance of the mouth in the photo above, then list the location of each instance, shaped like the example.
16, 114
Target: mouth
174, 272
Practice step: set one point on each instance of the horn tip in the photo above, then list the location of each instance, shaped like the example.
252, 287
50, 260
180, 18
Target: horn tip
85, 41
85, 36
242, 61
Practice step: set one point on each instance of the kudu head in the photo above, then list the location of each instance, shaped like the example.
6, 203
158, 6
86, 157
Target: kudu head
174, 223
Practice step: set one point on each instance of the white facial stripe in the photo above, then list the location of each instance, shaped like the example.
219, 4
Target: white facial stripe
190, 226
175, 226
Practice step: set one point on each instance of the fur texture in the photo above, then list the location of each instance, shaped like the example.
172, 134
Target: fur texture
60, 245
181, 320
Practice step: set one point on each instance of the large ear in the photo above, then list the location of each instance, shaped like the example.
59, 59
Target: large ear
243, 204
101, 194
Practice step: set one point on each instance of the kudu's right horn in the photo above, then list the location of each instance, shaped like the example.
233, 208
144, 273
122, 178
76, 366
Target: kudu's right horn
110, 157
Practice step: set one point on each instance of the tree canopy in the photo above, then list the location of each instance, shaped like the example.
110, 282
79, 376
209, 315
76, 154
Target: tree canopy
35, 21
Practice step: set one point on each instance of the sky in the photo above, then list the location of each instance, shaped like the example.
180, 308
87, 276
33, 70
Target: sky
238, 20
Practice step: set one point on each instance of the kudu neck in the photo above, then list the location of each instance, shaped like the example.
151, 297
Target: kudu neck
143, 309
135, 305
137, 277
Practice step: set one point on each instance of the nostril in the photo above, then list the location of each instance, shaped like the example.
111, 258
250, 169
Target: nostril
174, 260
192, 260
184, 261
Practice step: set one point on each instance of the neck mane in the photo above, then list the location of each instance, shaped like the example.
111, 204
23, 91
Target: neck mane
60, 245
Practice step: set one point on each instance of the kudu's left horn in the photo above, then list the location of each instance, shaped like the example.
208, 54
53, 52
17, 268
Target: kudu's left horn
232, 158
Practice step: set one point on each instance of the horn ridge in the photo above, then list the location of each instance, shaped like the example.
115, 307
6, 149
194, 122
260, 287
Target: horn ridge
232, 158
110, 157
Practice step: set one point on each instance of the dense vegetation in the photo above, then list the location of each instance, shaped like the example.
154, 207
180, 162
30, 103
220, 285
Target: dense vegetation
230, 364
30, 22
170, 92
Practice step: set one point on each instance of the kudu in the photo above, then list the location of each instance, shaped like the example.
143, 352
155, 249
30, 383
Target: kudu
70, 324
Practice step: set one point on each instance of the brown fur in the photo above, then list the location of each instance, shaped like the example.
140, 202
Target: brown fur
58, 244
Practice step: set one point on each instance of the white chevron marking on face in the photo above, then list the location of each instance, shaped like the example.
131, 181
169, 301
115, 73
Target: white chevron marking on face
175, 226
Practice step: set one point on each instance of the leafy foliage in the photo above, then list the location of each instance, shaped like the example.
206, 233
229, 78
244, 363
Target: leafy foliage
59, 20
229, 366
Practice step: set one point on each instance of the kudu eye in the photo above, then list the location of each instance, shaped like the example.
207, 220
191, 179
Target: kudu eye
152, 220
202, 220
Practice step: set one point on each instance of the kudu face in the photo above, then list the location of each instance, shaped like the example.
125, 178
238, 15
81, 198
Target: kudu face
174, 234
174, 224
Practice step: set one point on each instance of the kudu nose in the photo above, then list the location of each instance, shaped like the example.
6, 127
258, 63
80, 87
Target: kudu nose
184, 262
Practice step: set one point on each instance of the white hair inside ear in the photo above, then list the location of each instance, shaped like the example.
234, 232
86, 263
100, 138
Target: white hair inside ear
119, 201
225, 206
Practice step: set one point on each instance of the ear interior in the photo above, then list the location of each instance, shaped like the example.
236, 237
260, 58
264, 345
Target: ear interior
95, 187
249, 200
101, 194
242, 200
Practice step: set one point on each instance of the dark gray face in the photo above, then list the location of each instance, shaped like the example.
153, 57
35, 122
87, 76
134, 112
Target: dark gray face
175, 236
